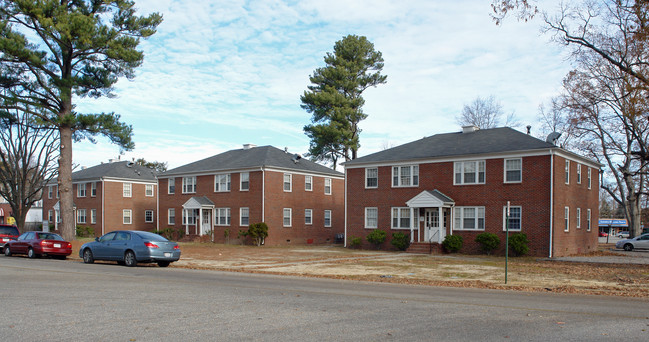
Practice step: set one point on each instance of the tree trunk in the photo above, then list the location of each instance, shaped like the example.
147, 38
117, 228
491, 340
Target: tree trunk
66, 203
633, 210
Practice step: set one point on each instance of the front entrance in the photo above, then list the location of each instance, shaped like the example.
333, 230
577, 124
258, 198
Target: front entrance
206, 222
433, 225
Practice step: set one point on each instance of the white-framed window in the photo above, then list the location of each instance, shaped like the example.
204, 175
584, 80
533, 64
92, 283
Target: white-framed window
567, 170
222, 216
244, 217
222, 182
81, 215
127, 216
287, 213
515, 215
148, 216
171, 216
589, 179
93, 189
401, 218
469, 218
50, 216
588, 219
189, 185
288, 181
190, 216
371, 178
50, 191
327, 218
148, 190
566, 220
513, 170
578, 173
127, 189
403, 176
371, 217
93, 216
578, 217
469, 172
81, 190
308, 183
308, 216
327, 186
171, 186
244, 181
58, 216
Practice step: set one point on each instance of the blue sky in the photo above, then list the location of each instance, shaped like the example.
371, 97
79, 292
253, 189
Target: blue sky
219, 74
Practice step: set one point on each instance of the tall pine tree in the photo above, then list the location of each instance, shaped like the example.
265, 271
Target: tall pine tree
334, 98
53, 50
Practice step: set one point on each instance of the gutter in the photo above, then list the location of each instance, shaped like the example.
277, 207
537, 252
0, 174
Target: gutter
103, 206
263, 195
345, 237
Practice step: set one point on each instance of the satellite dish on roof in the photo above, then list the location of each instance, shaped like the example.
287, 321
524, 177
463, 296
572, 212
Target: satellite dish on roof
553, 137
296, 157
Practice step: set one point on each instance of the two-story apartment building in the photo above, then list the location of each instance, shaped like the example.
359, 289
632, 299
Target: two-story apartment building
461, 183
300, 201
111, 196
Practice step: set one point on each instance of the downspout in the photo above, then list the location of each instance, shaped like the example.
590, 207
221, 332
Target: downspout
103, 206
157, 206
263, 195
551, 199
345, 237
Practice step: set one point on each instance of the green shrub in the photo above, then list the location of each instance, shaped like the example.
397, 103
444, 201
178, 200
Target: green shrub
355, 242
400, 240
489, 242
452, 243
171, 233
518, 244
377, 237
85, 231
258, 232
226, 234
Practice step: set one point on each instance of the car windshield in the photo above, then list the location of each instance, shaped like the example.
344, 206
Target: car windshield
8, 230
49, 236
151, 236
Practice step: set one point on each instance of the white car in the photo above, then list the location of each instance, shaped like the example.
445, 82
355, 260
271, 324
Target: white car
623, 234
640, 242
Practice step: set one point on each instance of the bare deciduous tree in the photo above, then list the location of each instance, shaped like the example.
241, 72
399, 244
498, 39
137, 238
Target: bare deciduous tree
485, 113
28, 157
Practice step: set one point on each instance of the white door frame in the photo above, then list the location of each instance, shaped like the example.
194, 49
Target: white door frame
206, 225
431, 227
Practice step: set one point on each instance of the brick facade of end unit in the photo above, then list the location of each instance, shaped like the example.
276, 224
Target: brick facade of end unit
301, 202
108, 197
460, 183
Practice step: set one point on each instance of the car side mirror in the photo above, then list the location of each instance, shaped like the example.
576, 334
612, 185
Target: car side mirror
97, 239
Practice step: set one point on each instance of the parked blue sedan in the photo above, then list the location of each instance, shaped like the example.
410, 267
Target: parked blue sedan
128, 247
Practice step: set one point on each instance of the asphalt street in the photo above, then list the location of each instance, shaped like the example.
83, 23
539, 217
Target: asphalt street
50, 300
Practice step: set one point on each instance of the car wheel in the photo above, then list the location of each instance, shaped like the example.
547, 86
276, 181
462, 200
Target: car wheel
31, 254
163, 263
628, 247
87, 256
7, 251
129, 259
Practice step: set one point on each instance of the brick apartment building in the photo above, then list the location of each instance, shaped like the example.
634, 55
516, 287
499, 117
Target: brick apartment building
111, 196
300, 201
460, 183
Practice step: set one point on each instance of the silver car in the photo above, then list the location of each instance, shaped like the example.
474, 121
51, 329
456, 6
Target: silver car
641, 242
128, 247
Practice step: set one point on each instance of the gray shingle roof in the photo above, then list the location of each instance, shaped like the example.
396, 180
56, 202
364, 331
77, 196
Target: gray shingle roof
121, 170
255, 157
483, 141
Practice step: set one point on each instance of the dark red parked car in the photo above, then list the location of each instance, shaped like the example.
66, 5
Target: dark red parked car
7, 233
36, 244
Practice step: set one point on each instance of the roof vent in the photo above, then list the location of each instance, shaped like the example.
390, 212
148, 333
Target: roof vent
553, 137
129, 164
470, 128
248, 146
296, 157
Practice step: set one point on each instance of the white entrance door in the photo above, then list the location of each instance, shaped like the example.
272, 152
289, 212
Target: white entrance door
206, 221
433, 230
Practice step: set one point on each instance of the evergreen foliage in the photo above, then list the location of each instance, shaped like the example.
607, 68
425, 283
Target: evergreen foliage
400, 241
489, 242
452, 243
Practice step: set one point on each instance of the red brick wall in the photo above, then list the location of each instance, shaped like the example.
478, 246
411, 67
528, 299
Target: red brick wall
573, 196
532, 194
275, 199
